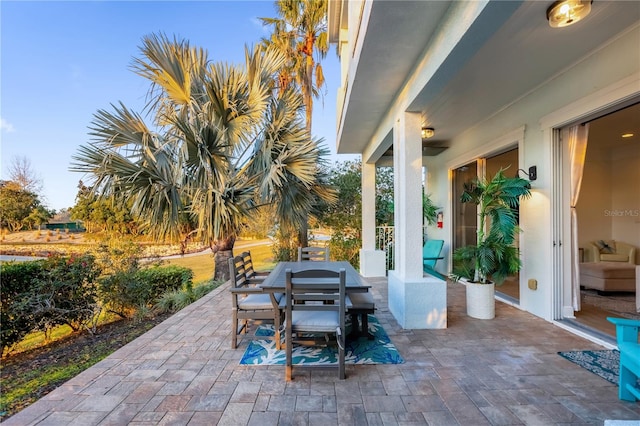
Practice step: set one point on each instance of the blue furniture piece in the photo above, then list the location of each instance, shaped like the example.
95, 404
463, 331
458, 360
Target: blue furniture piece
627, 335
430, 255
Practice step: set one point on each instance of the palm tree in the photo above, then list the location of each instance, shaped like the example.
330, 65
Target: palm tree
494, 255
222, 144
300, 33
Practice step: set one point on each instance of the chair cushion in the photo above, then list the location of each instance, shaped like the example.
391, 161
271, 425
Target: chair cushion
361, 301
255, 302
319, 321
278, 296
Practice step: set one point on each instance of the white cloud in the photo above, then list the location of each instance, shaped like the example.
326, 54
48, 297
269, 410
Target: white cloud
6, 126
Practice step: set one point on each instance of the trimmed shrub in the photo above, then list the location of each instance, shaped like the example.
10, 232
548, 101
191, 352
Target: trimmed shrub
163, 278
67, 293
39, 295
126, 291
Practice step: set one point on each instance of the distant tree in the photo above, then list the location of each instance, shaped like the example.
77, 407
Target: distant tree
222, 144
384, 196
16, 204
261, 224
100, 214
346, 177
38, 217
346, 214
21, 172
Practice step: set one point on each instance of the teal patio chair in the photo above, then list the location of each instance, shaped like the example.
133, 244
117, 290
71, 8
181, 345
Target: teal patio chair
430, 255
629, 347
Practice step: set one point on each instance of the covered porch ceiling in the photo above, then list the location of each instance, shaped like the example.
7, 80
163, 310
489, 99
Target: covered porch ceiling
509, 51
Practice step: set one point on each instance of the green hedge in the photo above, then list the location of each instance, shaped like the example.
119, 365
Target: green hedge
17, 280
39, 295
126, 291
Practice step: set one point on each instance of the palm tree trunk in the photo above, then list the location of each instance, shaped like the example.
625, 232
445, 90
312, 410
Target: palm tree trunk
221, 260
307, 93
223, 250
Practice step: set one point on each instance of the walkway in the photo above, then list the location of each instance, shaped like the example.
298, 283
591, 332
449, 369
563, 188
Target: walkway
502, 371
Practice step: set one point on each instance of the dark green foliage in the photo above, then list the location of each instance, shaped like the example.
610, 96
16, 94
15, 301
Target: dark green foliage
429, 210
126, 291
42, 294
345, 247
384, 196
67, 293
346, 214
17, 281
163, 278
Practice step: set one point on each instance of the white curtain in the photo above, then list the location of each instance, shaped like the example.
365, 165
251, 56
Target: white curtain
578, 136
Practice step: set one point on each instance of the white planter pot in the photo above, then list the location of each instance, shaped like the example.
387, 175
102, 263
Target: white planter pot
481, 301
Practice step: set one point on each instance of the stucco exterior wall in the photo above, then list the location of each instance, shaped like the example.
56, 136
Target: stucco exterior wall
618, 59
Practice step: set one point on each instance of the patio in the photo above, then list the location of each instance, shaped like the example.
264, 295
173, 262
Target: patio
502, 371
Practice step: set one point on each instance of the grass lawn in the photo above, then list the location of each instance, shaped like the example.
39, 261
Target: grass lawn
29, 376
202, 265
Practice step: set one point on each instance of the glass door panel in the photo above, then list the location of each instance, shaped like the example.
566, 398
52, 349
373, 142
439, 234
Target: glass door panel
465, 218
507, 160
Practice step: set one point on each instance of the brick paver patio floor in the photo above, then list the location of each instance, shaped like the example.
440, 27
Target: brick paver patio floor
475, 372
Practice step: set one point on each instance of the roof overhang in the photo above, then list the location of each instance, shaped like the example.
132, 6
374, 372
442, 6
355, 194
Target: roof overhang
508, 50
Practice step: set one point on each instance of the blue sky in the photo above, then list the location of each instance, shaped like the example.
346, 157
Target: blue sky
62, 61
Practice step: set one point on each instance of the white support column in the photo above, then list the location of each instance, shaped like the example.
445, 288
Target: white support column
372, 261
407, 174
368, 206
414, 300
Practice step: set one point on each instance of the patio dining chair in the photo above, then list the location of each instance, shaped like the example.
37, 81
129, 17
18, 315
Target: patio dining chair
250, 302
251, 273
313, 254
315, 305
430, 255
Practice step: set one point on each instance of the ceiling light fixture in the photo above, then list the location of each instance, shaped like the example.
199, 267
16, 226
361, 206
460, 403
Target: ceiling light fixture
428, 132
627, 135
567, 12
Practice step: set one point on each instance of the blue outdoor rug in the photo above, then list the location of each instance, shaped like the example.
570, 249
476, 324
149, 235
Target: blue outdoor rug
380, 350
603, 363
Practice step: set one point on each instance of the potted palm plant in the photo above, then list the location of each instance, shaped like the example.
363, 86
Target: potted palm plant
493, 257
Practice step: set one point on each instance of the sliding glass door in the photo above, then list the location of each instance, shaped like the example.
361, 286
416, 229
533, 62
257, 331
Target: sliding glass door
465, 217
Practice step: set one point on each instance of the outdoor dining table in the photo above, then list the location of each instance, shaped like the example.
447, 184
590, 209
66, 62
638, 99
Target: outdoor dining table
276, 280
354, 283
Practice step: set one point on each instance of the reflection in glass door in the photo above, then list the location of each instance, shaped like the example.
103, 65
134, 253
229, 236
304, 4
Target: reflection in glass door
465, 218
509, 162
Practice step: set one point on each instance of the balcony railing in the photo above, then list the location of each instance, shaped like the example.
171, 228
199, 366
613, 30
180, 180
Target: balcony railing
384, 241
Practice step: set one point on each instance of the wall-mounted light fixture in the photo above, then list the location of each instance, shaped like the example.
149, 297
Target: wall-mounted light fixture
532, 175
428, 132
567, 12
